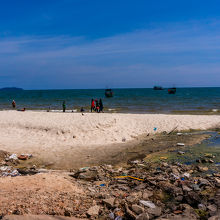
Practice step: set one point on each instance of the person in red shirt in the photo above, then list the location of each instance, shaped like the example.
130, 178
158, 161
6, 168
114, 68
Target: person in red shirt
92, 105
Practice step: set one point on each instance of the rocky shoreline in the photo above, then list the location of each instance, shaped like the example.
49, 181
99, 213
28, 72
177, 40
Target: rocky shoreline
140, 190
145, 191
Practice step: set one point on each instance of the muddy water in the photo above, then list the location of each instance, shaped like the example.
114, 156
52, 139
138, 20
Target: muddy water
209, 149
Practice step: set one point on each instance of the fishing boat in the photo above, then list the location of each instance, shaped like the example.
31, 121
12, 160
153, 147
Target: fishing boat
172, 90
158, 88
108, 93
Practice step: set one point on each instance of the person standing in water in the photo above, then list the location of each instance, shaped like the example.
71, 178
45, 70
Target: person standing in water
100, 105
92, 105
13, 104
64, 106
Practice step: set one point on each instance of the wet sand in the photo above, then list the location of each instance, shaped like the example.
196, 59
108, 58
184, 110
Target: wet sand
117, 154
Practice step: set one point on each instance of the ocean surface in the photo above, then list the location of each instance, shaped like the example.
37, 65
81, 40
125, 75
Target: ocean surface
186, 100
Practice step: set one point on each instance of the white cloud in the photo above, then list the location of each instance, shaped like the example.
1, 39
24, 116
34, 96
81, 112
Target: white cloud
152, 55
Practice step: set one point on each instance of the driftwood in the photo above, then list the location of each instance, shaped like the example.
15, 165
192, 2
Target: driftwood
173, 130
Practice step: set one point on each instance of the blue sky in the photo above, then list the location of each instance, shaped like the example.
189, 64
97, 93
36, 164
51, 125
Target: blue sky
63, 44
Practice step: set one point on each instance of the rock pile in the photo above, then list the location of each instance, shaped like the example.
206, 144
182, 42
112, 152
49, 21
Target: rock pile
151, 191
139, 190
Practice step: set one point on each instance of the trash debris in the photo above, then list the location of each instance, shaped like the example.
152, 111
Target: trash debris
181, 152
119, 177
148, 204
180, 144
138, 190
209, 155
111, 215
24, 156
141, 187
186, 175
163, 158
173, 130
8, 171
179, 134
13, 156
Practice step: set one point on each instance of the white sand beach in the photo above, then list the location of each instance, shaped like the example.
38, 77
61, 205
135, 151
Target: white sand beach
59, 135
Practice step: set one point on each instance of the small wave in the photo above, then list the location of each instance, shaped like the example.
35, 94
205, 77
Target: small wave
215, 110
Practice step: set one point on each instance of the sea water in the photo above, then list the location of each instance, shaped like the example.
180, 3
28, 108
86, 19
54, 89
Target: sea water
186, 100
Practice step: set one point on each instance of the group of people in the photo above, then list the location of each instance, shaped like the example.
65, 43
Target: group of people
97, 106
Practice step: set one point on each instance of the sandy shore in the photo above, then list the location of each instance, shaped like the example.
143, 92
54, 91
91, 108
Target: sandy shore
55, 135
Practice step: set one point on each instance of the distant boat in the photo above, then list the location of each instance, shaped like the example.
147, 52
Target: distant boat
172, 90
158, 88
108, 93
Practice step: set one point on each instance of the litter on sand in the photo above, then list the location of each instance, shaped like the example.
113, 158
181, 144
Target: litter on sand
180, 144
148, 204
163, 158
119, 177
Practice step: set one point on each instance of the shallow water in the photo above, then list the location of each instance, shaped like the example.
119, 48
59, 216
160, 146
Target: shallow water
210, 146
186, 100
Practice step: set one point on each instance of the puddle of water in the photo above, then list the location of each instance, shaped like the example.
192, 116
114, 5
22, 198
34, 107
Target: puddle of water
210, 146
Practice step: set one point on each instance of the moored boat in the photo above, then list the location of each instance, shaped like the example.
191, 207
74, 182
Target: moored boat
172, 90
158, 88
108, 93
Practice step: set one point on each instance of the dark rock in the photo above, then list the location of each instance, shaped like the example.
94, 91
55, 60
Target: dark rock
204, 160
143, 216
212, 209
195, 187
109, 202
188, 211
193, 198
186, 188
129, 212
88, 175
155, 211
179, 198
203, 182
170, 188
198, 161
137, 209
131, 199
27, 171
147, 194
